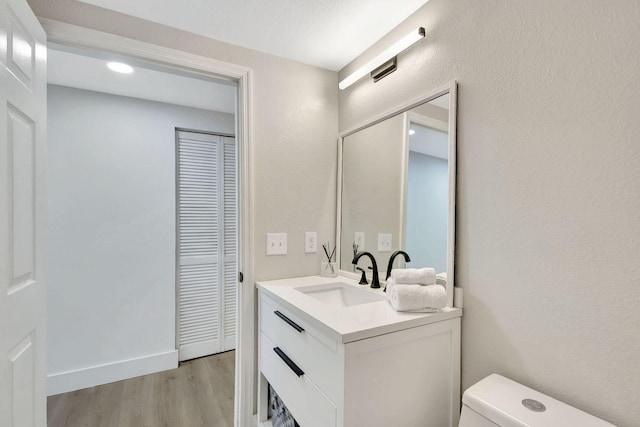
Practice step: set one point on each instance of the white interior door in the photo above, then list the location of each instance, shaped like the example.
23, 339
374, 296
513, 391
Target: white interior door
22, 205
207, 244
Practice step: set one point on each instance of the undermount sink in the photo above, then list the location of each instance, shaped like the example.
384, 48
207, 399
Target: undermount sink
340, 294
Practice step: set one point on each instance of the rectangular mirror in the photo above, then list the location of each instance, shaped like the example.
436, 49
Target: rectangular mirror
397, 187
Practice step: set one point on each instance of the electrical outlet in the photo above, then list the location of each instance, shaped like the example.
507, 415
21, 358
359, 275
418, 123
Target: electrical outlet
384, 242
359, 239
276, 243
310, 242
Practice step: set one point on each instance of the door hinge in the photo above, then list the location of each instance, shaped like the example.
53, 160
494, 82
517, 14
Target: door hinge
240, 276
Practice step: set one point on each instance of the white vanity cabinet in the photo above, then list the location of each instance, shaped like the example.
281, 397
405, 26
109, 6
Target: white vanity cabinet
399, 374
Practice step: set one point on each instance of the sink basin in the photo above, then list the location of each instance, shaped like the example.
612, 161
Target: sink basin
340, 294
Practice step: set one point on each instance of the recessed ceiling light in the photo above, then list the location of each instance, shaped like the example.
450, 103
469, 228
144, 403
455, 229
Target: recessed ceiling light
119, 67
412, 132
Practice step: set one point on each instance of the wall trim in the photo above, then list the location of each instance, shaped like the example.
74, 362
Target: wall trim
73, 36
65, 382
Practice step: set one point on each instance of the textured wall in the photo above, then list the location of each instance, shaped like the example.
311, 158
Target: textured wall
547, 222
294, 130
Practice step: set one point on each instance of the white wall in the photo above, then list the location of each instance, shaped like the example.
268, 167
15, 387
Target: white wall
547, 205
111, 233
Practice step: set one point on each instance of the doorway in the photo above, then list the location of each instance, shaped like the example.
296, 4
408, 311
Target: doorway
239, 77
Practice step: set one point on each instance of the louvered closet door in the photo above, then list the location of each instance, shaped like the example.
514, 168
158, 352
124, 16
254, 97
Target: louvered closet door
207, 244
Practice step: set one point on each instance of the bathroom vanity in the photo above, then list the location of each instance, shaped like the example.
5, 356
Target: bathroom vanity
337, 354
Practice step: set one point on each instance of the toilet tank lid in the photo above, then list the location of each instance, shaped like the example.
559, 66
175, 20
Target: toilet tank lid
501, 400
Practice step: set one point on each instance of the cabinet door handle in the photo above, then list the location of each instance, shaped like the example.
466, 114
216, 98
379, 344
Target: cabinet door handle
291, 323
295, 368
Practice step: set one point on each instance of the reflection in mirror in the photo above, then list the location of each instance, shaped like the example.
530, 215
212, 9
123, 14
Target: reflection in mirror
397, 179
427, 192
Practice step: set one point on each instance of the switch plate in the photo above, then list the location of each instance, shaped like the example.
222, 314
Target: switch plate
276, 243
310, 242
359, 239
384, 242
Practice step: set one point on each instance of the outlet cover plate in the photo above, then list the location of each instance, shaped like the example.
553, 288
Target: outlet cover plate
310, 242
276, 243
384, 242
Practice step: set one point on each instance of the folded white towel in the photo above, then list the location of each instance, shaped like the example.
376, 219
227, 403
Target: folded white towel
416, 297
390, 284
420, 276
441, 279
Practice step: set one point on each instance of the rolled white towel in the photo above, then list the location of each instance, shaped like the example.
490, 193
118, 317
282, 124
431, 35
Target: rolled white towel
420, 276
416, 297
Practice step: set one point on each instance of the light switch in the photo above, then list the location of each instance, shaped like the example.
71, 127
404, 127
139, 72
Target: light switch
310, 242
384, 242
276, 243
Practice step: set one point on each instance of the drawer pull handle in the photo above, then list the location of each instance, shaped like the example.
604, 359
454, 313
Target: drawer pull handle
295, 368
291, 323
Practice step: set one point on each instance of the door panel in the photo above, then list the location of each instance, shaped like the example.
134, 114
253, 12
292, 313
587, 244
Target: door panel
207, 244
22, 204
22, 376
20, 142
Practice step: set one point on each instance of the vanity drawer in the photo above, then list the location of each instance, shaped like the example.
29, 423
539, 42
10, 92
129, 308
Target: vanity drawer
308, 405
315, 353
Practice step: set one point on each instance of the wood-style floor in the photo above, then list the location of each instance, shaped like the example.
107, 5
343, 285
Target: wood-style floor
198, 393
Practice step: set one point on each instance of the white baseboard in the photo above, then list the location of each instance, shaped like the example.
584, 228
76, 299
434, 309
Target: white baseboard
64, 382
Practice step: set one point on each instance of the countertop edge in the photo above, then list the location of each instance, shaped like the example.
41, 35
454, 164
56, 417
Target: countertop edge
270, 288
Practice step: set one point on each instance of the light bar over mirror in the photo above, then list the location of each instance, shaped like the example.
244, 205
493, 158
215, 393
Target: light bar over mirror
386, 56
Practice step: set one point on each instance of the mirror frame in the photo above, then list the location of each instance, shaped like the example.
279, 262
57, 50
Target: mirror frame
451, 89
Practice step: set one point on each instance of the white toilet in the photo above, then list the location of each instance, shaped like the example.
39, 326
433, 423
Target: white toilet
498, 401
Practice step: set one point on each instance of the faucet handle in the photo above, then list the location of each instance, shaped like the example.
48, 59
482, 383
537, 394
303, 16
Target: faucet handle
363, 279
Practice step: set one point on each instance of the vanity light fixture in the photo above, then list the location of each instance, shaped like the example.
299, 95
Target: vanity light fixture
385, 63
120, 67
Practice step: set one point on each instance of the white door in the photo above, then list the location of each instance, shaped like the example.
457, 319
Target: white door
207, 244
22, 203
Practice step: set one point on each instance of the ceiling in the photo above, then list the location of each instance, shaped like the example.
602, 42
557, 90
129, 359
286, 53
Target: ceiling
91, 73
429, 141
325, 33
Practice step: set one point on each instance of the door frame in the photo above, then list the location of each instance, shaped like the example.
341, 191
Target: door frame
171, 59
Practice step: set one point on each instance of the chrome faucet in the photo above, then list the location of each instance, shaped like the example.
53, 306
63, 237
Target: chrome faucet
375, 280
390, 265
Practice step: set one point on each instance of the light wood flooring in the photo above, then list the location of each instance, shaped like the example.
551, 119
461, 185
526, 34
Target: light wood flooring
198, 393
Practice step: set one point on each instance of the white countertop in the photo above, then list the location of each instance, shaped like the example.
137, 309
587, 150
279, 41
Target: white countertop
352, 323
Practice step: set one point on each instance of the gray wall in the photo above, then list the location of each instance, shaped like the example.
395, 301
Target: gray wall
547, 205
111, 225
427, 208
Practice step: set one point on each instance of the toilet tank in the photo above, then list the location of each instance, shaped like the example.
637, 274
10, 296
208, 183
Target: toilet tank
498, 401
